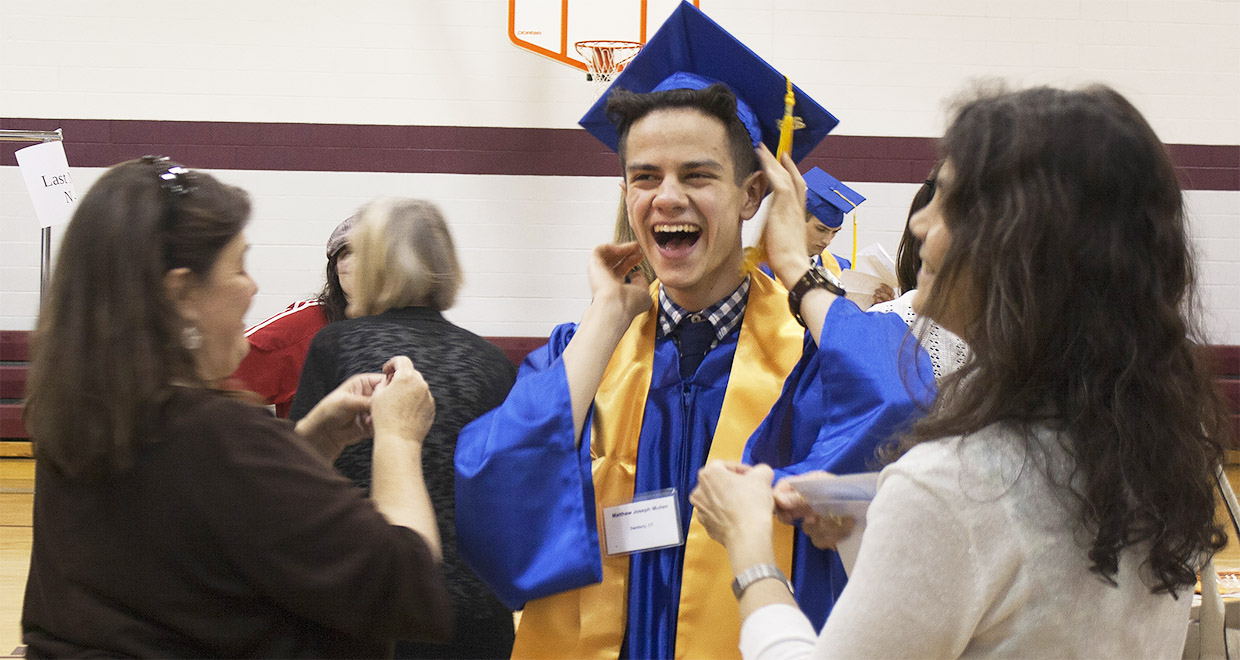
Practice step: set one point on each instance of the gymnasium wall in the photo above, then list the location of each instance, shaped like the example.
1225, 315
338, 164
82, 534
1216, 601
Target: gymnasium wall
316, 106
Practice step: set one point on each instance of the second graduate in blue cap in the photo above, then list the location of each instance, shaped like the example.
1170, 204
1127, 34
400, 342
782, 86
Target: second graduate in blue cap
625, 407
827, 201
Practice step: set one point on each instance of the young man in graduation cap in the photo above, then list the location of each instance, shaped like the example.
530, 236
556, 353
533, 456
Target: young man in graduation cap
827, 200
572, 496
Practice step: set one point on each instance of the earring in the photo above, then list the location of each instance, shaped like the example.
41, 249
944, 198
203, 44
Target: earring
191, 338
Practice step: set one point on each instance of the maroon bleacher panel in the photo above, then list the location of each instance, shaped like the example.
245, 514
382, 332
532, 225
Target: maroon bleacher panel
516, 348
1230, 389
13, 381
14, 345
11, 426
1224, 360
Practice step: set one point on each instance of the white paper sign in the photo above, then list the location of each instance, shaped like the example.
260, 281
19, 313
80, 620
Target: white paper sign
46, 171
642, 525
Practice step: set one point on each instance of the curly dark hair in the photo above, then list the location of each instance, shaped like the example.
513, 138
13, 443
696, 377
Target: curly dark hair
334, 301
624, 108
1068, 237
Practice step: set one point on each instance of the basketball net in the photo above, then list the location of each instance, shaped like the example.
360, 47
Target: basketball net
604, 59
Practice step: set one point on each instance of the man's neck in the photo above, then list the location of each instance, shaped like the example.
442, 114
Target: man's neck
698, 298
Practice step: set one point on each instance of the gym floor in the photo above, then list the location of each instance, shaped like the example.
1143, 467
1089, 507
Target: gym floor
17, 501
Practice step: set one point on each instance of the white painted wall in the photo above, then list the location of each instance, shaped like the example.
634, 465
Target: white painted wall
884, 67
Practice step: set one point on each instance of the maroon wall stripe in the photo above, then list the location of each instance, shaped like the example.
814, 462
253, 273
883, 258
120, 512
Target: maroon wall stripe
486, 150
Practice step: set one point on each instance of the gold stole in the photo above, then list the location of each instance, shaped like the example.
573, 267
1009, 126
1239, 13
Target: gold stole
589, 622
830, 263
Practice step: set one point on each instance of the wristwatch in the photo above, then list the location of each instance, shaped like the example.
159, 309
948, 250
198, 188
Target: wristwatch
816, 277
755, 573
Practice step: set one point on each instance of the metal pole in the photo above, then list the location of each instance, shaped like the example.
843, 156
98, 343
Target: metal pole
45, 262
45, 236
7, 135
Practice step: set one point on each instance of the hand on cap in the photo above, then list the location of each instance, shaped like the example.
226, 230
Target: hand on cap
784, 233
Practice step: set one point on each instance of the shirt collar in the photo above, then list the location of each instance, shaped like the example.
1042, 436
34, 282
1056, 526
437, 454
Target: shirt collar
725, 315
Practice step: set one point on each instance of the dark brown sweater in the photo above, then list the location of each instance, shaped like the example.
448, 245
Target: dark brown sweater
228, 538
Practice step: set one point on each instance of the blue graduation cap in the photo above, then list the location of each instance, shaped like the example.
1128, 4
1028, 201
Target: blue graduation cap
827, 199
690, 51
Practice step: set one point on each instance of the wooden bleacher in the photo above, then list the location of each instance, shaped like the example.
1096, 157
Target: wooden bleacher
15, 360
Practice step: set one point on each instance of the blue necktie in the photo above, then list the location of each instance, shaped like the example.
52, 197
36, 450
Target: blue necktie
694, 337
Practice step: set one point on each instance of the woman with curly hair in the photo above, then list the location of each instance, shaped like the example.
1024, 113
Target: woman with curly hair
1057, 499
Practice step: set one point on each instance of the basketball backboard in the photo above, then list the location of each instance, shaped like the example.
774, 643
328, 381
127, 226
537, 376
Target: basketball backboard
551, 27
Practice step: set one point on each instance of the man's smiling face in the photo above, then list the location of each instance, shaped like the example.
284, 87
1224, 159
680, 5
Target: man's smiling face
685, 205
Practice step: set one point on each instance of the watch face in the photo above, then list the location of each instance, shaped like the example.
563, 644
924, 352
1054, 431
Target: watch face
830, 277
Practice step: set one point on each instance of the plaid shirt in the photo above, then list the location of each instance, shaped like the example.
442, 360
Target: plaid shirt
725, 315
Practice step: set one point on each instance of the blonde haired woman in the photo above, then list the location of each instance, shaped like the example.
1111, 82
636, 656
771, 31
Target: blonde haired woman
407, 274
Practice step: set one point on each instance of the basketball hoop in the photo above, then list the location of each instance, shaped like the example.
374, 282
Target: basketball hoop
606, 58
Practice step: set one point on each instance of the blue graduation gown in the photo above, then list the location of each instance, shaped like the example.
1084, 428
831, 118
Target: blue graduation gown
525, 498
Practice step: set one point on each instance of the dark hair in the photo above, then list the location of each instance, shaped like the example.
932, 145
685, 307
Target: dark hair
624, 108
908, 257
332, 296
1068, 234
108, 341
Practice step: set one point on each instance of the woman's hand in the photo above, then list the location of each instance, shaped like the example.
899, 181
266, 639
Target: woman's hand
733, 501
402, 405
884, 293
339, 420
824, 531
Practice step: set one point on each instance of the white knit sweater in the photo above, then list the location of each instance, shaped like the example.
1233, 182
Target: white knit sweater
970, 552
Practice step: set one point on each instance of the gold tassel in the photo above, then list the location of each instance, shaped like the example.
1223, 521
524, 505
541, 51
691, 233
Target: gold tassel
757, 255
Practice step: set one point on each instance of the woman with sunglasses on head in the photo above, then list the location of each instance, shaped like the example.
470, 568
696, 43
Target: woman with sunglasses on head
1057, 499
173, 519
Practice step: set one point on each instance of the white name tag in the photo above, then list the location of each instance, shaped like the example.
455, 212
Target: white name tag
644, 524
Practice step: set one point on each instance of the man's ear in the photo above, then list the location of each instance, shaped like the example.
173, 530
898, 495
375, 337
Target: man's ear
179, 289
754, 189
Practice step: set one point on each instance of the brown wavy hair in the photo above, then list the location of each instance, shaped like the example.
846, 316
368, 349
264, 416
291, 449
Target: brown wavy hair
107, 346
1068, 234
332, 297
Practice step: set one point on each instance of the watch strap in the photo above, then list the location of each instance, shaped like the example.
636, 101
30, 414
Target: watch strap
816, 277
755, 573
